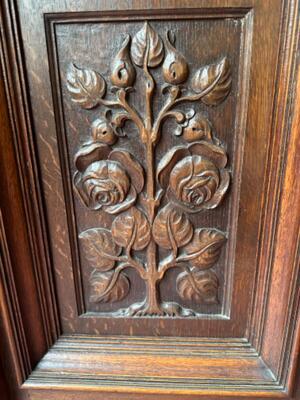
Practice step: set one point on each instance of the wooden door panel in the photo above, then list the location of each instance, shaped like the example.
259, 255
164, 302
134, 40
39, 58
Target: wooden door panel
160, 149
208, 221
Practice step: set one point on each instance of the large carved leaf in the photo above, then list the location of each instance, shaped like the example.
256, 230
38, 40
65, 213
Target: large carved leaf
131, 229
204, 249
171, 228
99, 248
218, 77
147, 43
105, 288
85, 86
198, 286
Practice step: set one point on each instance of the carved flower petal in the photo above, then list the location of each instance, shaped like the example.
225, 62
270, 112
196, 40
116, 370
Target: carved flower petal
128, 202
167, 163
90, 153
132, 166
83, 196
222, 189
209, 150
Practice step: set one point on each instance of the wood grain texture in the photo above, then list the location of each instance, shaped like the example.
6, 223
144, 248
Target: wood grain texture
213, 218
255, 350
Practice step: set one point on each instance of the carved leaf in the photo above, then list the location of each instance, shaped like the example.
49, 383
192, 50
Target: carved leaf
198, 286
99, 248
131, 229
147, 43
218, 76
171, 228
204, 249
86, 86
100, 291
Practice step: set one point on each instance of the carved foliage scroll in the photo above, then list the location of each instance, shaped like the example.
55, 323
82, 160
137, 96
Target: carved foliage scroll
192, 177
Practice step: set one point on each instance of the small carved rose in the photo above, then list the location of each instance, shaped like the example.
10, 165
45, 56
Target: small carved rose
107, 179
103, 132
198, 127
104, 183
195, 175
194, 181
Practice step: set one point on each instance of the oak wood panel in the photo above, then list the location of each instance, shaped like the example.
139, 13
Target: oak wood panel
235, 364
50, 163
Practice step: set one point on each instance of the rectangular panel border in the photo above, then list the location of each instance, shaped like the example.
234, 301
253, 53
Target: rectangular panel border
53, 19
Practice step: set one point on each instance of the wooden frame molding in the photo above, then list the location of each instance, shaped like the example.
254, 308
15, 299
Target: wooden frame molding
261, 364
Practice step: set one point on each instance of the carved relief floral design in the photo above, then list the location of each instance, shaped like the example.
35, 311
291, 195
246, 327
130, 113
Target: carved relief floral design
194, 175
189, 178
107, 179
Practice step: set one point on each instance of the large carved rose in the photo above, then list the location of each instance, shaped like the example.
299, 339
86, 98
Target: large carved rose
195, 175
107, 179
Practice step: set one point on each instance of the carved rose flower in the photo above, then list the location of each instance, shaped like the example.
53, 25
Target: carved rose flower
195, 175
107, 179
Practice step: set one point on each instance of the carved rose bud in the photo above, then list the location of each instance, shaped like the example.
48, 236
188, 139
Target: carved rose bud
175, 68
103, 132
198, 127
106, 178
123, 72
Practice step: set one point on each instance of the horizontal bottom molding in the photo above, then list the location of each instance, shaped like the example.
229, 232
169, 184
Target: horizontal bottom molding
152, 365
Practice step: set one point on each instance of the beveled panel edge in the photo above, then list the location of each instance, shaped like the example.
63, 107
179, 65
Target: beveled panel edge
281, 194
142, 14
19, 114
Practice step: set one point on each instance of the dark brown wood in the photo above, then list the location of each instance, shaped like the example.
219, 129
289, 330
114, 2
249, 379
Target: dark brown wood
150, 233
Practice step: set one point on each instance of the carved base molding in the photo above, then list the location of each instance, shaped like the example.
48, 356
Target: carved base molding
129, 365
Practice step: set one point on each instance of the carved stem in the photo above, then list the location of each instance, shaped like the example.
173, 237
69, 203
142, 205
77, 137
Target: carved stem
173, 101
149, 89
131, 111
122, 103
152, 298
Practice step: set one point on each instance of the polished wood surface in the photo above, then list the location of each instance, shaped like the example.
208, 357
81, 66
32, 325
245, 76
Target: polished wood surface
150, 201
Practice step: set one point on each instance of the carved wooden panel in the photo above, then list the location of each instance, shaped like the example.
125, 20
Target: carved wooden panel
148, 130
141, 160
151, 201
148, 198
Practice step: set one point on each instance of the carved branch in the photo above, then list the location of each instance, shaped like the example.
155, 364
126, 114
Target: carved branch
135, 263
174, 100
123, 103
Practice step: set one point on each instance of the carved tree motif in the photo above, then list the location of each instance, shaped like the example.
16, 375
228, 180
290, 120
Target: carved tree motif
193, 177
